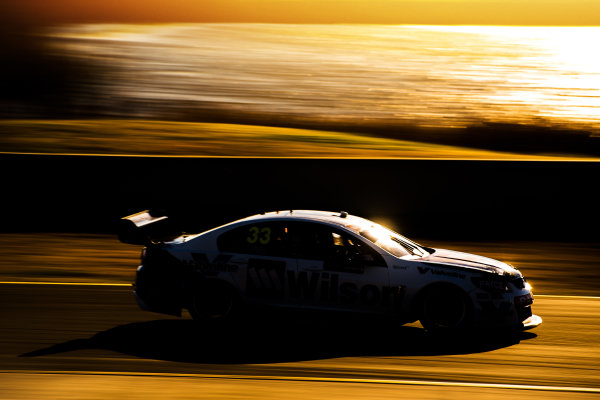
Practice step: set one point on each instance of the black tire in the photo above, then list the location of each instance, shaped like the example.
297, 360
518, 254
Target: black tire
445, 309
214, 303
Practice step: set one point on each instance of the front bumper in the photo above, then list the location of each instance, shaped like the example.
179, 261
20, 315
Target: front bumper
532, 322
506, 310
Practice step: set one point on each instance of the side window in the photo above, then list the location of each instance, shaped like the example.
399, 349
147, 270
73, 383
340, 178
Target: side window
264, 238
309, 241
337, 249
351, 254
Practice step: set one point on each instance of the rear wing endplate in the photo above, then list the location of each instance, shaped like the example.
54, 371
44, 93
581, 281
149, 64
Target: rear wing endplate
145, 227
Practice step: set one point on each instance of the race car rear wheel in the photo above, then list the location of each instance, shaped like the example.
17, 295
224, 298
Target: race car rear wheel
214, 302
444, 308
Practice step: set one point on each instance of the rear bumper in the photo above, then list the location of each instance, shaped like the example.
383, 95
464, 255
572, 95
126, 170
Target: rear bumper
156, 293
141, 303
158, 304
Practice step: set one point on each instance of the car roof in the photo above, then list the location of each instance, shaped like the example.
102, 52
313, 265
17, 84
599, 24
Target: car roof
342, 218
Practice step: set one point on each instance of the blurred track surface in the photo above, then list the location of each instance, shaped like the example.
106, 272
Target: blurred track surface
70, 341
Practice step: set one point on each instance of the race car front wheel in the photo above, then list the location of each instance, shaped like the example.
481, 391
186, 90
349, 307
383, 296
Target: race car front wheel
217, 303
444, 308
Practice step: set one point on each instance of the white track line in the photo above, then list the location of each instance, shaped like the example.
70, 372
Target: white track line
320, 379
129, 285
565, 297
66, 283
125, 155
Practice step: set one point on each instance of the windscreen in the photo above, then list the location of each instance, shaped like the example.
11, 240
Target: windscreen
392, 242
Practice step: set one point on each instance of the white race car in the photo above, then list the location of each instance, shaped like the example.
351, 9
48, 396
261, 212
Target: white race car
316, 260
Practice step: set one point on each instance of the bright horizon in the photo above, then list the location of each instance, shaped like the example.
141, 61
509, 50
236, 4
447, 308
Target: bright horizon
428, 12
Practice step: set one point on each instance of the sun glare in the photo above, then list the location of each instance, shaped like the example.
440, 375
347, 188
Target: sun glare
568, 81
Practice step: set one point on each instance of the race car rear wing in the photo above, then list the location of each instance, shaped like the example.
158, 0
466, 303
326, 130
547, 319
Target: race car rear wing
146, 227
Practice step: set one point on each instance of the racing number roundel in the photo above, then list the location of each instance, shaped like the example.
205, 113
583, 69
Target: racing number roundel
262, 235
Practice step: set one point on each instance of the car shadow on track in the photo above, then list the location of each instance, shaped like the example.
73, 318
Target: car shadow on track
261, 341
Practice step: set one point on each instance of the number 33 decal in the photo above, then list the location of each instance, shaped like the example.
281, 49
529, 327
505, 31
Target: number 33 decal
262, 236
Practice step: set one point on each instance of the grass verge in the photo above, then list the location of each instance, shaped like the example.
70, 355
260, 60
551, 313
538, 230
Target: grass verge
168, 138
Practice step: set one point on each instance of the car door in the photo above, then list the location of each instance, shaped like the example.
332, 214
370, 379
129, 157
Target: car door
261, 250
337, 271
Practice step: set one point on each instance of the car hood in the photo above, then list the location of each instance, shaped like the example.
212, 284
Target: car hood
470, 261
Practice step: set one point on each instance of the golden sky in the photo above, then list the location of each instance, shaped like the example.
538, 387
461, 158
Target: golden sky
473, 12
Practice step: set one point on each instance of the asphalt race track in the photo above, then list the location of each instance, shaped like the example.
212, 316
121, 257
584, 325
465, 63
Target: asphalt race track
91, 341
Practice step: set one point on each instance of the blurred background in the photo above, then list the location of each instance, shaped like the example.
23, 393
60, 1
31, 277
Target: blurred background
74, 72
